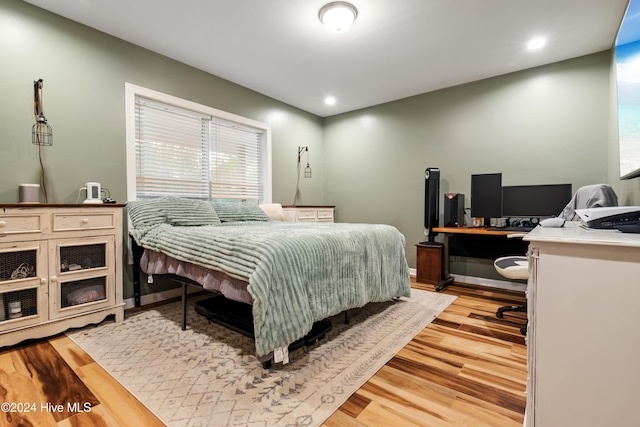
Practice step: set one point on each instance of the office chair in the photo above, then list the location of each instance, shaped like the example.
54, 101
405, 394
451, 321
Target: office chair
513, 267
517, 267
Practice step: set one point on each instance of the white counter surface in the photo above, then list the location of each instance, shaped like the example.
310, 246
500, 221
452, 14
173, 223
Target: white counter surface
572, 232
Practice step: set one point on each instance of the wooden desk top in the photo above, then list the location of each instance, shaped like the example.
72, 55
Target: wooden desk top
473, 230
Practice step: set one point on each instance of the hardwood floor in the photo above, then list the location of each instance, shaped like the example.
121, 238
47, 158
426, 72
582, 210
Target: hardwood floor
466, 368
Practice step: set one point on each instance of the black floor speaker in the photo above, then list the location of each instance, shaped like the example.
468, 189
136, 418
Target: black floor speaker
431, 199
454, 210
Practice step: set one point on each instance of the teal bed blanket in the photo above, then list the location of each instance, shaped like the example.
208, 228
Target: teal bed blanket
297, 273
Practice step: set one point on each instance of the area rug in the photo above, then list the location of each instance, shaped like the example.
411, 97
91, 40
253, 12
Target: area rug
208, 375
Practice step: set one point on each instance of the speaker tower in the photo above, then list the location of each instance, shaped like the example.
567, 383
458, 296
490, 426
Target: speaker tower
431, 198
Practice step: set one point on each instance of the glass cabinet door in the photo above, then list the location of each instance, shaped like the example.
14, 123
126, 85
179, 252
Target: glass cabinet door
82, 277
23, 284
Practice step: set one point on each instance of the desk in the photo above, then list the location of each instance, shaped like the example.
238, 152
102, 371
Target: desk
582, 338
467, 231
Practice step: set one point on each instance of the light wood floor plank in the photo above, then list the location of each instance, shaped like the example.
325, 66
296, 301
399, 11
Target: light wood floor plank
466, 368
122, 405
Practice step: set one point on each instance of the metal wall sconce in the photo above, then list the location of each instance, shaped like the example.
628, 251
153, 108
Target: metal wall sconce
41, 133
307, 170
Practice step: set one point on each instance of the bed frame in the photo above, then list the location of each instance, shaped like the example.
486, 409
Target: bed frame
218, 309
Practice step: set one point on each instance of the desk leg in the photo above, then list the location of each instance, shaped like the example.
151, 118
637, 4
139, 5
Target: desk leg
447, 279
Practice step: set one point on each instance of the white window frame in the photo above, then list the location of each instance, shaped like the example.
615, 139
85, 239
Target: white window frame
132, 91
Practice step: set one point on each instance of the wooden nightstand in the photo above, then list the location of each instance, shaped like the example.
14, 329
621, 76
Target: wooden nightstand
308, 213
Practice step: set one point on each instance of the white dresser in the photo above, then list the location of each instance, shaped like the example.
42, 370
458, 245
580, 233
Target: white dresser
308, 213
60, 267
583, 340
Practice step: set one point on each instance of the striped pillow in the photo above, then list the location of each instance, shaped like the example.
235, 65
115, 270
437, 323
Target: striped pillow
171, 210
145, 213
189, 212
239, 210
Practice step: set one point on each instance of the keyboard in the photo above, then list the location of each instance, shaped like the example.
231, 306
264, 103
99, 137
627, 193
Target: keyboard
517, 229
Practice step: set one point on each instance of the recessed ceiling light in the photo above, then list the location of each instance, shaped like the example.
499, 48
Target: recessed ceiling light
536, 43
338, 16
330, 100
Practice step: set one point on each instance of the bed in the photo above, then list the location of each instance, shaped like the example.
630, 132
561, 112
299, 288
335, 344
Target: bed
293, 274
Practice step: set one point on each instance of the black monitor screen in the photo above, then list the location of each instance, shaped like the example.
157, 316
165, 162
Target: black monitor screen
535, 200
486, 195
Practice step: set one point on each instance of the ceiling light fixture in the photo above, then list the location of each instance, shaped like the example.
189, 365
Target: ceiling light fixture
536, 43
338, 16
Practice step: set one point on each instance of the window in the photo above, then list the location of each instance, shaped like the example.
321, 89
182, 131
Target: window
179, 148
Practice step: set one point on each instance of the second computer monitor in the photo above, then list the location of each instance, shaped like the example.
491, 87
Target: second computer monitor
535, 201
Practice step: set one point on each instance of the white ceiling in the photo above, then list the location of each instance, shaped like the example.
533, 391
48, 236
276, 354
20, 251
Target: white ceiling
395, 49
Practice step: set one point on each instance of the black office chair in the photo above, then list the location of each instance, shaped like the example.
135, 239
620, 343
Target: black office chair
517, 267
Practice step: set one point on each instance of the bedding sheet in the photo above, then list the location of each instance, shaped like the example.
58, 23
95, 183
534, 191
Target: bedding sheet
298, 273
153, 262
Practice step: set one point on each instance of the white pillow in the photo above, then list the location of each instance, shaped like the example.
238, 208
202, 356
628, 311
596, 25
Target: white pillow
273, 210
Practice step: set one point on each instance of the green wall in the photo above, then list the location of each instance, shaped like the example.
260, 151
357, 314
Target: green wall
84, 73
550, 124
541, 126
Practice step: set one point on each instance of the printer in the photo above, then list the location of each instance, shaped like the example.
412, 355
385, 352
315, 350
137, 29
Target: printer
622, 218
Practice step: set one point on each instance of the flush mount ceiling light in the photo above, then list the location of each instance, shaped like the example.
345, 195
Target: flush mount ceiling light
338, 16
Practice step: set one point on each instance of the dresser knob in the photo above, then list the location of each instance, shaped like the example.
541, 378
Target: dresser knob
3, 223
43, 280
54, 279
85, 220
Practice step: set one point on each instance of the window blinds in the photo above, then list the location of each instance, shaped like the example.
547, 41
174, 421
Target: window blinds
188, 154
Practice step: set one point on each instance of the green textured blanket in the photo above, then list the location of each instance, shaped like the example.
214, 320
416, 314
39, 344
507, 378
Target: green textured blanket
298, 273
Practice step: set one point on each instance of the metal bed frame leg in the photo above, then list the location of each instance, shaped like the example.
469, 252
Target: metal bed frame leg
184, 306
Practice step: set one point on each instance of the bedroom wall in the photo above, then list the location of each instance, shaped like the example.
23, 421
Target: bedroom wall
540, 126
545, 125
84, 73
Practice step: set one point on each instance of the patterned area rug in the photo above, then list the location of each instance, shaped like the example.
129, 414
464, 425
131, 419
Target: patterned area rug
208, 375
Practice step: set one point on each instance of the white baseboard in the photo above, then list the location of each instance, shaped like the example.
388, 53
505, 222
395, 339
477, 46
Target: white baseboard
482, 281
492, 283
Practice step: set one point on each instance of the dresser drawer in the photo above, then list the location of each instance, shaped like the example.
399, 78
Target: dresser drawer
325, 214
20, 224
307, 214
84, 221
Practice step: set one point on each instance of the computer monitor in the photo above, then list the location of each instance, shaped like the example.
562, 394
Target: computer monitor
486, 196
535, 201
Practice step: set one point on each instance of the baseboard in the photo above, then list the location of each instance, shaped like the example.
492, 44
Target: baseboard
159, 296
482, 281
492, 283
